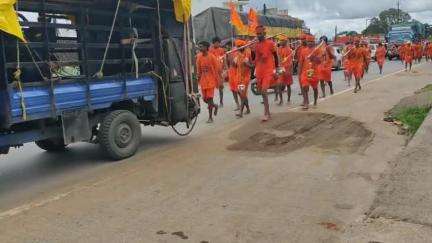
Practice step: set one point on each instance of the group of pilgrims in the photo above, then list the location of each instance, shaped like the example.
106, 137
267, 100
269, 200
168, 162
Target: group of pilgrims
270, 61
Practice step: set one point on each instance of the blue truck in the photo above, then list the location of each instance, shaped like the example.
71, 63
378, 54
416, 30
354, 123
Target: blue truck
410, 31
94, 71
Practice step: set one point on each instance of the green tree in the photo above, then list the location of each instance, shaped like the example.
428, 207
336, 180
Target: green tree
428, 28
375, 27
381, 24
394, 16
351, 33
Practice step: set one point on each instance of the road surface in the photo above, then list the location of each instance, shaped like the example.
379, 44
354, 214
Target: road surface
204, 188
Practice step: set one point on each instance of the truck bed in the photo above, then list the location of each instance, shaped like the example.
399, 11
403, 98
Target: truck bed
40, 102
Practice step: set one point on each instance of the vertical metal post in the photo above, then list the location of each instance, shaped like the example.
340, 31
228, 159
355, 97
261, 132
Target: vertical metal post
4, 87
46, 57
82, 27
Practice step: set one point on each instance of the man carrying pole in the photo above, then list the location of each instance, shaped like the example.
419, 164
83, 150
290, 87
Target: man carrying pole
207, 67
308, 66
326, 64
219, 52
266, 61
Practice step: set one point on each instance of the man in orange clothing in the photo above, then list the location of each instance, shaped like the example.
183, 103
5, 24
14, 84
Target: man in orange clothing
357, 58
208, 75
286, 77
419, 51
408, 51
219, 52
325, 67
347, 63
308, 66
242, 62
298, 51
266, 61
401, 50
232, 79
367, 51
380, 56
429, 51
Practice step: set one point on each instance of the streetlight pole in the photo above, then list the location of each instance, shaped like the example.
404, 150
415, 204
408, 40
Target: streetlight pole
367, 20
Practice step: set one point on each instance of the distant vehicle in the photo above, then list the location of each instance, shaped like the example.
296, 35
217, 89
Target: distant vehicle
410, 31
373, 48
392, 52
337, 62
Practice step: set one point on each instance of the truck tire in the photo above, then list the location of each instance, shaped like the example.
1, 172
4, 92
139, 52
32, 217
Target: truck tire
4, 150
254, 88
52, 144
120, 134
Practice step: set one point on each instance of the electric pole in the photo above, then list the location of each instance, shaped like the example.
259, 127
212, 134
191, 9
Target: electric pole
398, 12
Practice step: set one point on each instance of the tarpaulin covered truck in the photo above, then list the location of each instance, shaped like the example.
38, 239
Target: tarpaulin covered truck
93, 71
216, 22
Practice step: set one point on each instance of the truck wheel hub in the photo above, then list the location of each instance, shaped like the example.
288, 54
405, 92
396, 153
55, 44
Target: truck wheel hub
124, 135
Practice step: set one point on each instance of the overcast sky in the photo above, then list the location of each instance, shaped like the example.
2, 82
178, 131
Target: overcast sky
323, 15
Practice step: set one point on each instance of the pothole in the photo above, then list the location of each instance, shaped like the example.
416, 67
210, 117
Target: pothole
288, 132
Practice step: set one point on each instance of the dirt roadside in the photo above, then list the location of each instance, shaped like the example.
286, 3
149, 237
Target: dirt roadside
308, 192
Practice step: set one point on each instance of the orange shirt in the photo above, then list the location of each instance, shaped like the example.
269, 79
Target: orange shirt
429, 49
286, 57
357, 55
207, 70
408, 51
264, 59
309, 65
243, 71
219, 53
381, 53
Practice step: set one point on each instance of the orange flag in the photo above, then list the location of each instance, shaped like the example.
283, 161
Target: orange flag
253, 21
236, 20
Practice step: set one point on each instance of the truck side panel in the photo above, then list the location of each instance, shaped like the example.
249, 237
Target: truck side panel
73, 95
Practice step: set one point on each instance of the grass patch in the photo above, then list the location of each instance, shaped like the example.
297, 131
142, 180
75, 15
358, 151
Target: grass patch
427, 88
412, 117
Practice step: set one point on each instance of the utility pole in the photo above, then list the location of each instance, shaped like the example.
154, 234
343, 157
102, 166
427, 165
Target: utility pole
398, 12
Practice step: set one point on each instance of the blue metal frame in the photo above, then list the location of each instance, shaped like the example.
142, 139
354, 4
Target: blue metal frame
73, 95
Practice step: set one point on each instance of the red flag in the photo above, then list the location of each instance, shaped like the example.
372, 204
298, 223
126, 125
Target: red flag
236, 19
253, 21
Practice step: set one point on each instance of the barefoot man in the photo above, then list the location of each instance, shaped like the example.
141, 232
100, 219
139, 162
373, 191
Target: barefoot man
357, 58
308, 66
219, 52
325, 66
286, 58
208, 75
266, 61
380, 56
408, 52
243, 65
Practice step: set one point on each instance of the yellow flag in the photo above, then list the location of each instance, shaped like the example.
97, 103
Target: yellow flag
182, 10
9, 19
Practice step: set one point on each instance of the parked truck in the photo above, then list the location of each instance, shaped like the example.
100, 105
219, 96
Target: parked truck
410, 31
94, 71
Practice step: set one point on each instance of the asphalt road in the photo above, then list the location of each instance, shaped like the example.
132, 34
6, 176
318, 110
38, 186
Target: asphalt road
29, 172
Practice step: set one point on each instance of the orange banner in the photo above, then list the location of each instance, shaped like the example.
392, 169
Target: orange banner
236, 19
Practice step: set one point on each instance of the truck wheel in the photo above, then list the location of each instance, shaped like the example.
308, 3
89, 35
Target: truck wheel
254, 88
52, 144
120, 134
4, 150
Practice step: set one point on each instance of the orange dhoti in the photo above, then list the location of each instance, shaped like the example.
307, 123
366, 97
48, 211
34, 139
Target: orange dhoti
309, 79
286, 79
357, 70
232, 79
324, 72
